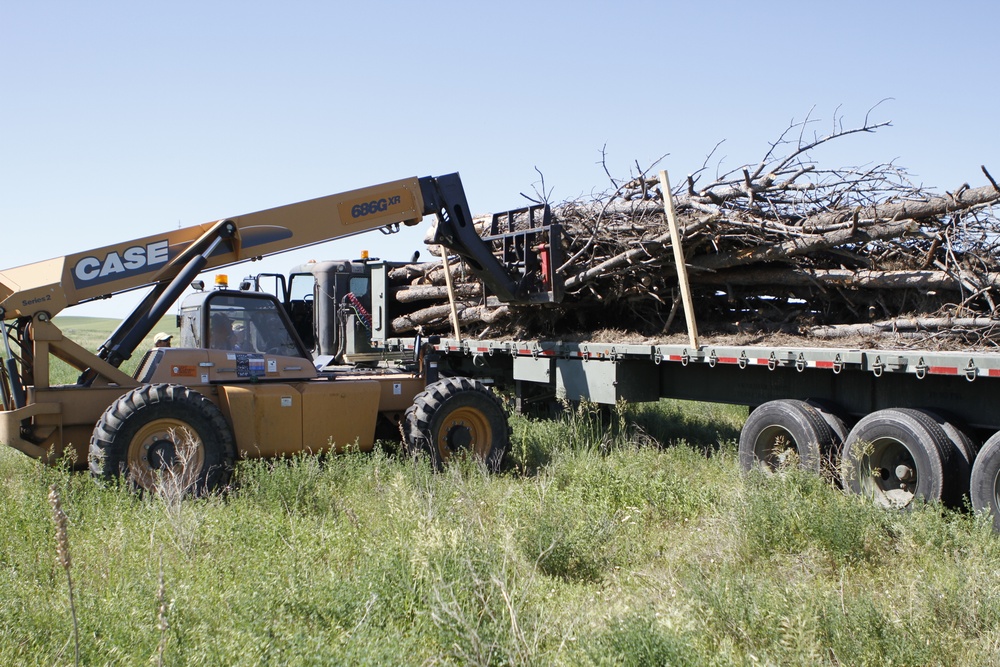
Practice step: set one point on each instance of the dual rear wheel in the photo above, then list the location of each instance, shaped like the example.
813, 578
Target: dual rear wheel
897, 455
777, 431
894, 456
984, 487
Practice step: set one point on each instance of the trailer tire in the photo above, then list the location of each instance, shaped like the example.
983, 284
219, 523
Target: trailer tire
959, 461
834, 417
895, 456
984, 489
143, 436
454, 416
776, 428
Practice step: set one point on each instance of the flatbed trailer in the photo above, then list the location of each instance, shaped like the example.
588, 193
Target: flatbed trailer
899, 424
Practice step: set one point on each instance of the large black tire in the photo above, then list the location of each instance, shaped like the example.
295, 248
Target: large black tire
835, 418
897, 455
985, 486
958, 464
161, 433
457, 417
778, 428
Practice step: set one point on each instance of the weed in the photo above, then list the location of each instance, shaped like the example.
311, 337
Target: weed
172, 484
795, 509
64, 560
162, 615
480, 608
639, 639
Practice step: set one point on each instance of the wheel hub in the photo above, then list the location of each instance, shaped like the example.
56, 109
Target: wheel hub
774, 445
459, 437
466, 430
893, 472
164, 445
161, 454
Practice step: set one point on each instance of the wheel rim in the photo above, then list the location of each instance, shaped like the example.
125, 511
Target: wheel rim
773, 446
889, 473
164, 448
464, 430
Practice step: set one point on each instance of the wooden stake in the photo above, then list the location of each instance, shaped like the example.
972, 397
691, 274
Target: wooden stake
451, 294
682, 276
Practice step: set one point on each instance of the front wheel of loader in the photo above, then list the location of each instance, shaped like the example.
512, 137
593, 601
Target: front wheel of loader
164, 436
457, 417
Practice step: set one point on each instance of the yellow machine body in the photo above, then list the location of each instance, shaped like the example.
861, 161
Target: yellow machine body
283, 409
250, 386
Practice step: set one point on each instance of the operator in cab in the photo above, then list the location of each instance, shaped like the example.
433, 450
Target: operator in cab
221, 336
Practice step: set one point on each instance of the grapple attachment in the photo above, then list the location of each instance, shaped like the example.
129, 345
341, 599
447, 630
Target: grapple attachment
519, 257
529, 246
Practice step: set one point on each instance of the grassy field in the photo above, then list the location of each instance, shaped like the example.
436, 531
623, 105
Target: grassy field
622, 538
597, 545
91, 332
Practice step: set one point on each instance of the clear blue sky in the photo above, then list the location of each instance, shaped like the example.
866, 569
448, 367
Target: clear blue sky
123, 119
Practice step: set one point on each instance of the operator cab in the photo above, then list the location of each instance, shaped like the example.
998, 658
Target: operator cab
251, 322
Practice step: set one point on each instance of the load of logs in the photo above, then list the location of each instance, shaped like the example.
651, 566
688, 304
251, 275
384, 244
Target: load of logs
780, 246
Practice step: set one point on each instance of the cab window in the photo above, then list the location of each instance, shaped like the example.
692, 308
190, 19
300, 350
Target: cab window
246, 324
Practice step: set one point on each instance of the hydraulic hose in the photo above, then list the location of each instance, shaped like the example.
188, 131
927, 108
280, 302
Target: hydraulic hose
10, 364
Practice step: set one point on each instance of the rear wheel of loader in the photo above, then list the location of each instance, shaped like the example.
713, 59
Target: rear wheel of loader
162, 434
457, 417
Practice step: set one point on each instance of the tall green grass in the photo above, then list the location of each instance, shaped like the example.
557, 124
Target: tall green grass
91, 333
614, 536
606, 540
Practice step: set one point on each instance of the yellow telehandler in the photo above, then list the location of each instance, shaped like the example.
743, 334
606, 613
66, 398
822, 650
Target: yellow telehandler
241, 383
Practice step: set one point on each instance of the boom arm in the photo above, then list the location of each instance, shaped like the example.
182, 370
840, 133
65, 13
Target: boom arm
52, 285
169, 261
